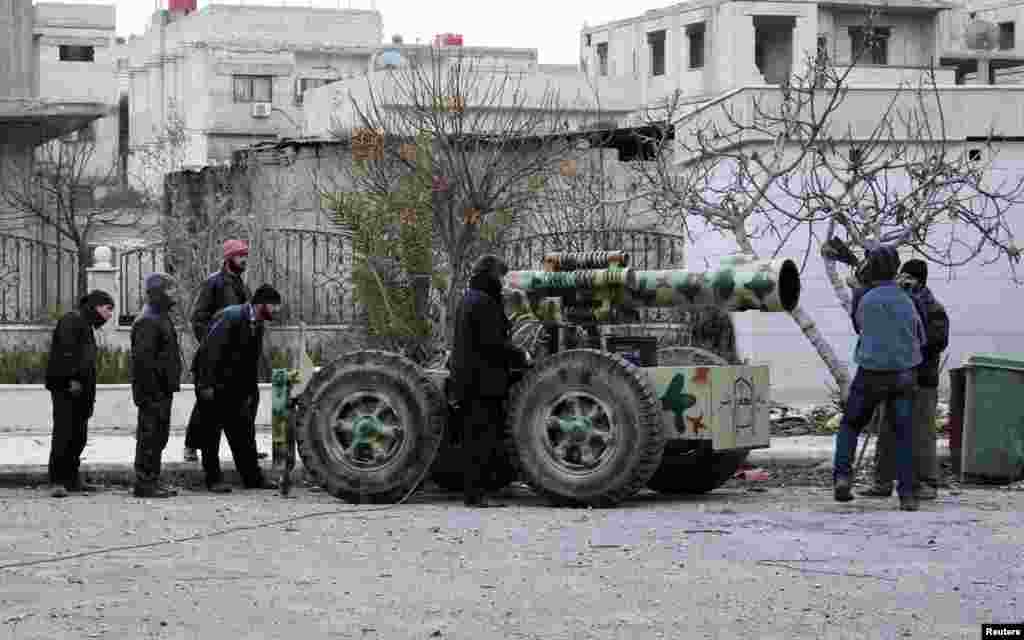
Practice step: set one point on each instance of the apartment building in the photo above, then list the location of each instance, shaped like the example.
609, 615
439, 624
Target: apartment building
55, 72
229, 76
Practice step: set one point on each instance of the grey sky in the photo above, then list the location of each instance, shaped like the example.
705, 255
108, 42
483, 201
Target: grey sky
551, 27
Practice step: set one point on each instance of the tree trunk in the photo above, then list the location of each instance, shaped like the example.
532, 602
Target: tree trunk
84, 262
839, 372
828, 355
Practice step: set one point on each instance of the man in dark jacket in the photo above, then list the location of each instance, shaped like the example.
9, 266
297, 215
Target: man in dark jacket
156, 376
71, 381
227, 379
914, 278
481, 358
888, 352
222, 289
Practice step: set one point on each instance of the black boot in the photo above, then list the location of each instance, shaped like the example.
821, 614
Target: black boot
841, 490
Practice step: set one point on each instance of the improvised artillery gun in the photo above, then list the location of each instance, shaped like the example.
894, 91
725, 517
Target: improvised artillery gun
585, 425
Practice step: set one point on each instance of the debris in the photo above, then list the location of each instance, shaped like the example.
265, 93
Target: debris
753, 475
718, 531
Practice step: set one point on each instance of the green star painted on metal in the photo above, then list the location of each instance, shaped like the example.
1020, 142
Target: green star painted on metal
675, 398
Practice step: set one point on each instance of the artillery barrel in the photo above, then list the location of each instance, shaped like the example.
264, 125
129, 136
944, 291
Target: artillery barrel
762, 285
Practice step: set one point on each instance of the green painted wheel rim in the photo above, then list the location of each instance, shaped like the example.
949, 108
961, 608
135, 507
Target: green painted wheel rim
367, 431
579, 434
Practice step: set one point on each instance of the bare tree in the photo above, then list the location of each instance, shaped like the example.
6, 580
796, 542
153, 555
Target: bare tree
486, 137
67, 189
760, 167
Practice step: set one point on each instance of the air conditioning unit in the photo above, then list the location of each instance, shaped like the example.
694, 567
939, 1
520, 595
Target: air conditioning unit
261, 109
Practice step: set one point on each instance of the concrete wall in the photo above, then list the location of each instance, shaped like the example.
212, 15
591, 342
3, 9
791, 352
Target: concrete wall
27, 408
17, 61
983, 303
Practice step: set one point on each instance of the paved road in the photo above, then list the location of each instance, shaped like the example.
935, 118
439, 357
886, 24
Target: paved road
785, 563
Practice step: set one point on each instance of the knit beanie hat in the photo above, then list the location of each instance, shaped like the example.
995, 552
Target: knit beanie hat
96, 298
159, 282
489, 264
916, 268
884, 263
266, 294
234, 248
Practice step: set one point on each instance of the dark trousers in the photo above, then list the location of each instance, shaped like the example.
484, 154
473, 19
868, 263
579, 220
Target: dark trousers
870, 389
194, 431
926, 462
150, 440
483, 427
235, 415
70, 426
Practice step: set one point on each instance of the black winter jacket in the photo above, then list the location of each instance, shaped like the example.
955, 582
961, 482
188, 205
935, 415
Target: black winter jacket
222, 289
156, 357
73, 354
481, 353
936, 326
228, 360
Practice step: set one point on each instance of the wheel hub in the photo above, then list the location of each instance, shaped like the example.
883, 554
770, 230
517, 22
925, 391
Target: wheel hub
368, 432
580, 434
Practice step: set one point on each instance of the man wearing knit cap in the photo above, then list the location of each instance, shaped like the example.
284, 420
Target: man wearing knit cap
914, 278
889, 348
227, 379
156, 376
222, 289
482, 357
71, 381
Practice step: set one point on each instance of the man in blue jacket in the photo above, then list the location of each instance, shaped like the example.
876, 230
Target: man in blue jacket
227, 378
888, 351
914, 279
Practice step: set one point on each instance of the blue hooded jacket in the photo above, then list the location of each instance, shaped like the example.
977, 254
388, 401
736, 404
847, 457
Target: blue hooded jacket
885, 316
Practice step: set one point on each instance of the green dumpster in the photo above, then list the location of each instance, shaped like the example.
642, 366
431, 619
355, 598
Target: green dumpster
993, 423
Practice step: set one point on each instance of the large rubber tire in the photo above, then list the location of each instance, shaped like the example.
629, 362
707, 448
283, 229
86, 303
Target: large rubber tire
392, 389
626, 407
698, 470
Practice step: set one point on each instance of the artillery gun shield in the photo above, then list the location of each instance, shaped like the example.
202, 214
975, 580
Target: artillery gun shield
585, 427
370, 426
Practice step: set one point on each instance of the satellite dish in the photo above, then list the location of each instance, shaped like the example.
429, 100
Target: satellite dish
981, 34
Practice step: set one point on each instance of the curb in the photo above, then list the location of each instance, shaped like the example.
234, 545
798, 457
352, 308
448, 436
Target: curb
182, 474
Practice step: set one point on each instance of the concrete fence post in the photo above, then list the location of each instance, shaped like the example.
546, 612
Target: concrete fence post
103, 275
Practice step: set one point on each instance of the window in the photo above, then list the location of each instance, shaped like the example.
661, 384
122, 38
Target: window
82, 196
1006, 36
602, 58
75, 53
253, 88
695, 36
123, 126
822, 50
656, 42
974, 155
587, 39
305, 84
87, 133
870, 48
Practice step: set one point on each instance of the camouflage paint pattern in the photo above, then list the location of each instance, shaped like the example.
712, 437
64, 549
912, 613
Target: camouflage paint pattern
739, 284
282, 439
727, 405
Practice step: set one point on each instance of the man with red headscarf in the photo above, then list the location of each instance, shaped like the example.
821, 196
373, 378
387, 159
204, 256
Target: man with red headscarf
222, 289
